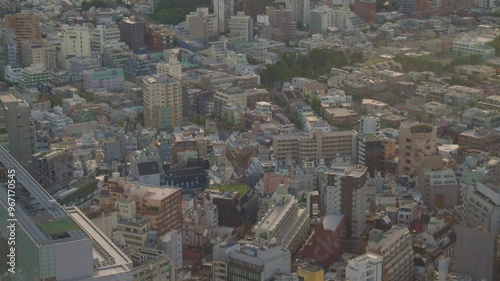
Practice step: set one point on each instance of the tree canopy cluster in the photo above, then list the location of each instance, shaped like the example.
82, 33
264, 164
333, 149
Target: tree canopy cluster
496, 45
175, 11
317, 62
86, 5
410, 63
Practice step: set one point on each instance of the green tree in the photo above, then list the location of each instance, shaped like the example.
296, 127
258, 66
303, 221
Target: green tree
474, 59
316, 105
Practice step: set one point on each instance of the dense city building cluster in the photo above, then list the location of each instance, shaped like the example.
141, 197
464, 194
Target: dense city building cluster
250, 140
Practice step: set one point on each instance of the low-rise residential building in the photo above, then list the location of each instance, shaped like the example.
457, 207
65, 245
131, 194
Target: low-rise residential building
108, 79
475, 117
479, 138
438, 184
466, 46
479, 72
491, 102
341, 116
365, 267
434, 108
151, 264
251, 260
133, 231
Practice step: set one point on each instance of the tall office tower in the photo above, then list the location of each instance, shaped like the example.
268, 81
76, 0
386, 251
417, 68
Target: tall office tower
366, 10
406, 6
367, 267
416, 140
162, 101
284, 221
223, 10
369, 125
25, 24
281, 22
343, 191
321, 19
102, 35
52, 169
477, 253
250, 7
76, 42
395, 247
481, 206
20, 128
370, 153
52, 243
133, 33
202, 24
241, 26
437, 183
300, 10
172, 67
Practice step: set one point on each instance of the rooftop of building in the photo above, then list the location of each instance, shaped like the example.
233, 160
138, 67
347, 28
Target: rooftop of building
422, 129
240, 188
378, 235
137, 222
332, 222
354, 171
108, 258
370, 137
253, 253
145, 256
477, 133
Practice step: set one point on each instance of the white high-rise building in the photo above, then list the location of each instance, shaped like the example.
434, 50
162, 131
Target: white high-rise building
241, 27
171, 245
76, 42
324, 17
367, 267
369, 125
223, 10
300, 10
172, 67
104, 34
343, 191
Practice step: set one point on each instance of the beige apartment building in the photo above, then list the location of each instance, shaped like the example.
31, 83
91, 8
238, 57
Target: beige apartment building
416, 140
25, 24
34, 52
395, 246
162, 101
437, 183
134, 231
76, 42
312, 146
